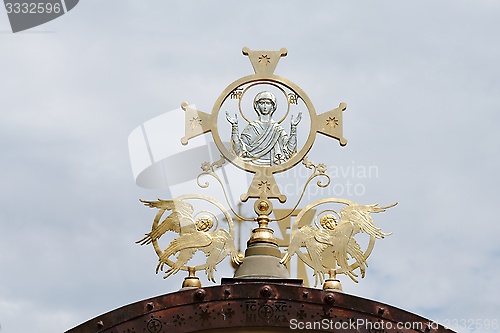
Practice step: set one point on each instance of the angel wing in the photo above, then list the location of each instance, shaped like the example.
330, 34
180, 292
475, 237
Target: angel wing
182, 258
221, 246
307, 236
354, 218
342, 246
180, 220
186, 245
359, 217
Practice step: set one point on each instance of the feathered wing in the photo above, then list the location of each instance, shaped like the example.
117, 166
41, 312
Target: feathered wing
230, 246
182, 258
315, 249
160, 204
195, 240
343, 246
186, 245
180, 211
354, 218
297, 241
359, 216
307, 236
221, 246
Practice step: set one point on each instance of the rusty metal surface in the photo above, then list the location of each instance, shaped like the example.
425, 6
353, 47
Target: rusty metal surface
272, 305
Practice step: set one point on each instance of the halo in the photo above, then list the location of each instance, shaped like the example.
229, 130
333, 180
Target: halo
322, 212
216, 224
269, 83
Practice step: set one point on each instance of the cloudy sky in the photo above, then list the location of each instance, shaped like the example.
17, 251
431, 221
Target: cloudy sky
421, 82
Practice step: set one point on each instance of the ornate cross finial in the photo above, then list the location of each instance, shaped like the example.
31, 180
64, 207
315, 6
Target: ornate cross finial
265, 124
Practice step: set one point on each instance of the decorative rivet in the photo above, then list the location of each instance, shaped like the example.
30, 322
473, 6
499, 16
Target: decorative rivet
381, 311
150, 306
266, 291
227, 292
100, 324
200, 294
305, 294
329, 298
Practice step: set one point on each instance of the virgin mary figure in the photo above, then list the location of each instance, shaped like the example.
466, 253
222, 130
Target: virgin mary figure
264, 141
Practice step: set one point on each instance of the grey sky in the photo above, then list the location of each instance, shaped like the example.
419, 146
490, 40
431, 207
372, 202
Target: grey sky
421, 82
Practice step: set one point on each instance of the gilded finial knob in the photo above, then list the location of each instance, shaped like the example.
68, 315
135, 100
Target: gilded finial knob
263, 206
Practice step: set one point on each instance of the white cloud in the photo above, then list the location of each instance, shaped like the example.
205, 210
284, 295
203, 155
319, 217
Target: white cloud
420, 82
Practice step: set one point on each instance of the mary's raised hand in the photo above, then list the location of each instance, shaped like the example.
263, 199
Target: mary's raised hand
297, 120
233, 121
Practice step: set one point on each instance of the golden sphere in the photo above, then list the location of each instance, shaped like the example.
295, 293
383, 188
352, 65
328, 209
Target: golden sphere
263, 206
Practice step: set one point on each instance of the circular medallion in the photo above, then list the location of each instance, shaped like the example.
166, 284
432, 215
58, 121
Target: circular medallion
251, 137
205, 221
328, 220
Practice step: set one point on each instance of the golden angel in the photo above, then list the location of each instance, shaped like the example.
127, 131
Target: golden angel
194, 235
335, 239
